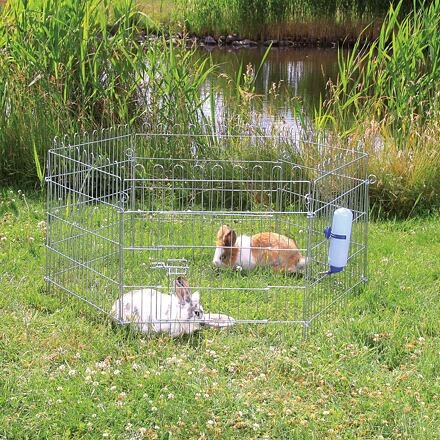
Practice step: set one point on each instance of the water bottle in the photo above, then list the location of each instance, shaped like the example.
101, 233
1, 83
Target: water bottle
339, 235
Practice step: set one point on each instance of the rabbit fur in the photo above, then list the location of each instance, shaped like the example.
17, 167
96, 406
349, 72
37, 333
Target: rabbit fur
150, 311
259, 250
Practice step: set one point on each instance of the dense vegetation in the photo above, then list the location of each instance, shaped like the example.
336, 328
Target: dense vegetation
387, 96
370, 372
61, 71
323, 19
78, 65
75, 65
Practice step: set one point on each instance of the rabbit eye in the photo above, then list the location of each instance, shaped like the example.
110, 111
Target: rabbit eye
198, 313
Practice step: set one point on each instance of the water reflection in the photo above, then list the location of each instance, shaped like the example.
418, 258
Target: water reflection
286, 75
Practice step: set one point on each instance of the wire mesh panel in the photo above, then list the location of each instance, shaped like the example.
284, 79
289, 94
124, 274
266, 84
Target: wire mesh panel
166, 230
84, 205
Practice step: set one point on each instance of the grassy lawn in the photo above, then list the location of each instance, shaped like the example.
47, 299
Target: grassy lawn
372, 371
161, 11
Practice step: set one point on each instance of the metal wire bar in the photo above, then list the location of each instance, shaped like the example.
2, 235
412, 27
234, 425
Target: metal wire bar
129, 213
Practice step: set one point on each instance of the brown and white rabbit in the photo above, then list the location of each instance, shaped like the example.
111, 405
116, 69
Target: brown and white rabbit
154, 312
259, 250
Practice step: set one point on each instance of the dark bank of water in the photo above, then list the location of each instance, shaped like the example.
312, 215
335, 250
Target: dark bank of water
289, 79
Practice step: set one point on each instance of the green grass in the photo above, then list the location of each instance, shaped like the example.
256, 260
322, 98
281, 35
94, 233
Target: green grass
328, 20
66, 66
161, 11
369, 372
171, 237
260, 19
56, 79
74, 65
386, 98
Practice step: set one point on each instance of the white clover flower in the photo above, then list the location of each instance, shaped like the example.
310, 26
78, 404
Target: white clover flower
102, 365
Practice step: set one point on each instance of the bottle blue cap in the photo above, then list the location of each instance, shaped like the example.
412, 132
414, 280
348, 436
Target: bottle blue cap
334, 269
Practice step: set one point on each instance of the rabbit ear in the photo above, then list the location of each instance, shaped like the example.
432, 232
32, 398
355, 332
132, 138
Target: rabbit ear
195, 298
183, 290
230, 238
222, 231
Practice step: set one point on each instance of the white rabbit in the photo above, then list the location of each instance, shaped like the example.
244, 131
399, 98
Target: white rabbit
154, 312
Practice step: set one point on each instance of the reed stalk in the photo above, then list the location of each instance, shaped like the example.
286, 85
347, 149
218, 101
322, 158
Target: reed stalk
387, 98
259, 19
75, 65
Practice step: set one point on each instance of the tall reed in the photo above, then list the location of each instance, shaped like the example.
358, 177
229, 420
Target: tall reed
265, 19
74, 65
171, 91
387, 96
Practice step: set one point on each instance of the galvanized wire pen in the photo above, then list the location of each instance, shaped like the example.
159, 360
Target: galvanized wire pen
130, 211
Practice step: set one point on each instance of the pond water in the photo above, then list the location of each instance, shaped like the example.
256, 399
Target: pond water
289, 79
